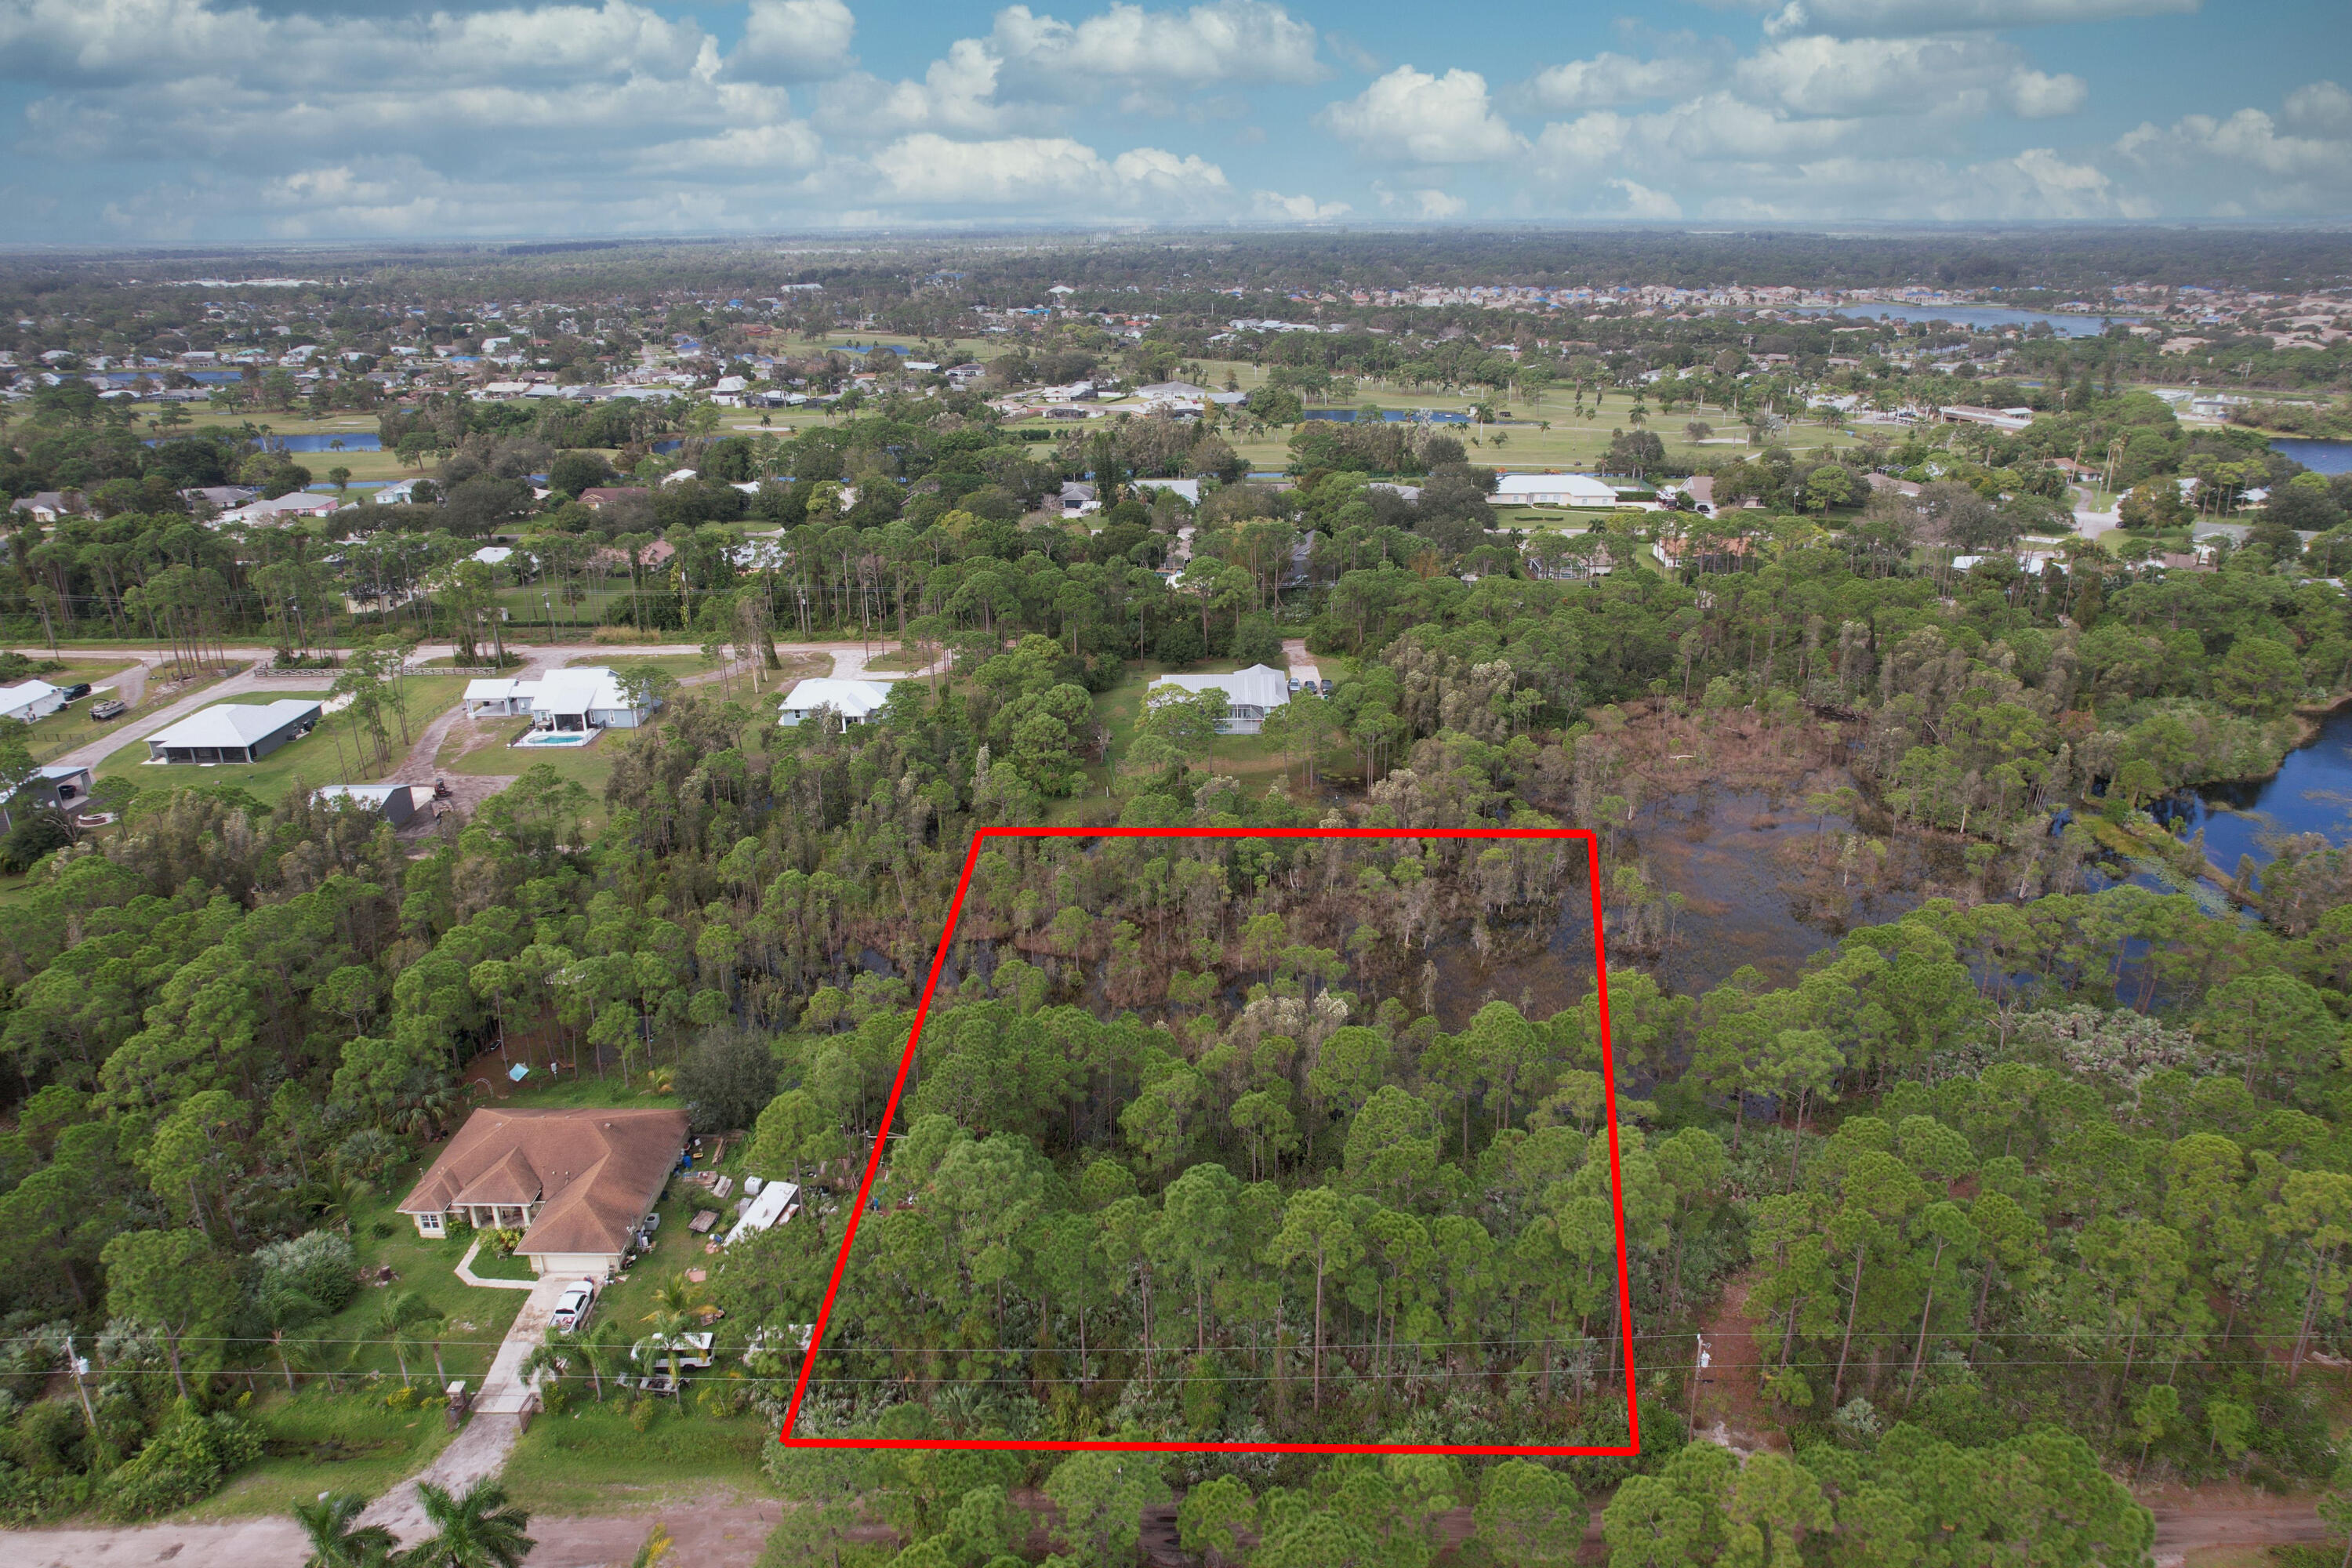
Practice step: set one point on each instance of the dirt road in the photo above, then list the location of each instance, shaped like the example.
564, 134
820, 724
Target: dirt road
710, 1533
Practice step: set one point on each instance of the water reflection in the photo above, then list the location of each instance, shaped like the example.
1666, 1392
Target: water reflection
1759, 882
2311, 793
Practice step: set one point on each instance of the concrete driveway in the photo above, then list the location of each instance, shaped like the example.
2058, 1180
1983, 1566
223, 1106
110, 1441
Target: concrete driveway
481, 1449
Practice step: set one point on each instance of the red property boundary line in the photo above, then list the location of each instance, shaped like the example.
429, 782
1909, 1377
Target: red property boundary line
1631, 1448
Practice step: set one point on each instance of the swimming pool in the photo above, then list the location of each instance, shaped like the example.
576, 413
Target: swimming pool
557, 738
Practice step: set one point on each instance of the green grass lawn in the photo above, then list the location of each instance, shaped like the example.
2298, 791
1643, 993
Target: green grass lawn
321, 1441
72, 728
591, 1460
1253, 759
316, 759
489, 1265
589, 766
472, 1318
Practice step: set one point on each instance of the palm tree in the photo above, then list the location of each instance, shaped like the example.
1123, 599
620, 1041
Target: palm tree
669, 1326
597, 1347
285, 1309
334, 1544
477, 1530
391, 1320
678, 1294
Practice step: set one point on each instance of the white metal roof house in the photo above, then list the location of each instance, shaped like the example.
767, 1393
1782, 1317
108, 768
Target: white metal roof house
1250, 695
1553, 489
278, 509
30, 700
233, 732
587, 699
854, 701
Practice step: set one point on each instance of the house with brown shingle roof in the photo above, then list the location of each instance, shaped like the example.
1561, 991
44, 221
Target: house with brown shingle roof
577, 1184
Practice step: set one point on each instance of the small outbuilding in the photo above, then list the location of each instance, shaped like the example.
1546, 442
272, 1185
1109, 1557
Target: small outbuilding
502, 698
234, 732
771, 1208
395, 802
61, 786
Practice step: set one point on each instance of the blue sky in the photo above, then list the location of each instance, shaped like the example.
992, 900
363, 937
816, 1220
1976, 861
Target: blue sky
215, 120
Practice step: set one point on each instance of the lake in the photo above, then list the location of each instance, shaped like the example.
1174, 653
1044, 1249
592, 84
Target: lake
1392, 415
2311, 793
1978, 318
2319, 457
354, 442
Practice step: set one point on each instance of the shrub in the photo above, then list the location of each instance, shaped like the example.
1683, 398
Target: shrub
401, 1398
643, 1411
187, 1460
321, 1265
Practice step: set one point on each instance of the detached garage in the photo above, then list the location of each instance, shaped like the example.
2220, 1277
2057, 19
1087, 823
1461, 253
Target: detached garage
233, 732
395, 802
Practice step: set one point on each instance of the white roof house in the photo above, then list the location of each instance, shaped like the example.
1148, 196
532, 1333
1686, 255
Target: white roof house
585, 698
1250, 695
277, 509
855, 700
233, 732
492, 555
773, 1206
30, 700
1553, 489
1189, 489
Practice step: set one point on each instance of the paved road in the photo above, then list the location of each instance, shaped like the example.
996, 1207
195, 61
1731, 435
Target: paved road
147, 724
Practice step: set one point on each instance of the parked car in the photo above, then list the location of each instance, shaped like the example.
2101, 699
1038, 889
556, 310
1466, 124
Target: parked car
1327, 686
111, 707
1294, 684
75, 692
693, 1349
571, 1307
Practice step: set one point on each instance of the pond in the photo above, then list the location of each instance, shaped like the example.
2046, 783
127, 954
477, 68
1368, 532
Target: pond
356, 441
1977, 318
1392, 415
2311, 793
2319, 457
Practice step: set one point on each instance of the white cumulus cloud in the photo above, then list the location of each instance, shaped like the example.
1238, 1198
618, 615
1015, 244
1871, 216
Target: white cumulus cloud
1409, 115
1607, 80
1040, 173
1272, 206
794, 40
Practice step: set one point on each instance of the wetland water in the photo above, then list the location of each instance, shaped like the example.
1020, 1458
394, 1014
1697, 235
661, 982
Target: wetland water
1759, 883
2311, 793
